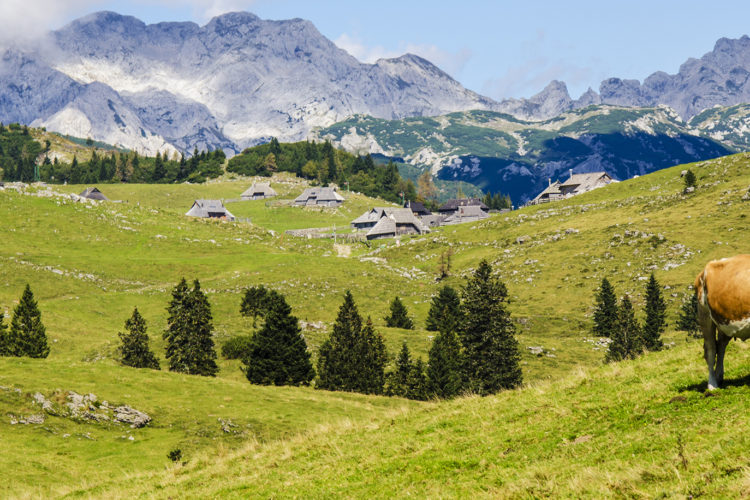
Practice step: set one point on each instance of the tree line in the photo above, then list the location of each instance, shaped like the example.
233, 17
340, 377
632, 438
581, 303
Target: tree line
19, 154
474, 349
324, 164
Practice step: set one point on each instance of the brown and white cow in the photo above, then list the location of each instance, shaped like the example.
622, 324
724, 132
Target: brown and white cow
723, 289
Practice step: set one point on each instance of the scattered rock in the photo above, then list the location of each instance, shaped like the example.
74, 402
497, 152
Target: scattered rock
689, 190
128, 415
570, 230
522, 239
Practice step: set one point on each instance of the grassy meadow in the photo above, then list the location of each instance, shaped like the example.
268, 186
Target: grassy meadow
576, 429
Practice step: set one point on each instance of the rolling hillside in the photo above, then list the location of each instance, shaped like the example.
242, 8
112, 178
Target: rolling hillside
578, 429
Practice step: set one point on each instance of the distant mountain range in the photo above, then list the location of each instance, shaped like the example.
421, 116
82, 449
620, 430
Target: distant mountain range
500, 153
240, 80
234, 82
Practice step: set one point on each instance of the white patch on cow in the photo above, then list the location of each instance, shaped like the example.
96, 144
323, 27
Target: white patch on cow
739, 329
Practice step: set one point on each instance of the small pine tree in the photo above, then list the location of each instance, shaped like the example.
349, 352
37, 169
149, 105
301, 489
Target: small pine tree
398, 379
253, 302
374, 358
418, 386
353, 357
176, 334
202, 350
605, 314
28, 337
445, 311
399, 317
656, 310
488, 334
445, 365
626, 337
688, 320
690, 180
190, 345
278, 354
134, 350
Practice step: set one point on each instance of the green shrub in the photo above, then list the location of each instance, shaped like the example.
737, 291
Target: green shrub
236, 347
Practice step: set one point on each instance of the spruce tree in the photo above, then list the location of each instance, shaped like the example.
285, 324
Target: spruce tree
278, 354
134, 350
445, 311
488, 335
445, 365
418, 386
338, 364
202, 352
688, 319
398, 379
27, 335
605, 314
399, 317
374, 358
626, 337
177, 332
656, 322
190, 346
253, 302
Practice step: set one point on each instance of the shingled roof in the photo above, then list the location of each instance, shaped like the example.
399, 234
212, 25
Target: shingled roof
259, 189
452, 205
209, 209
93, 193
318, 195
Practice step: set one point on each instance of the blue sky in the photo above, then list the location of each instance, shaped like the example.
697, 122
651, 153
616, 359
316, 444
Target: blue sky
498, 48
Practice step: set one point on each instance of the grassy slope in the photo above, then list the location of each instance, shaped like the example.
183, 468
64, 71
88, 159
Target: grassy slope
637, 429
136, 252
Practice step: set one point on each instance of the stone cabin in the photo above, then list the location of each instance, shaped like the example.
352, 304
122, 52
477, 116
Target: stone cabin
387, 222
451, 206
213, 209
319, 196
576, 184
258, 191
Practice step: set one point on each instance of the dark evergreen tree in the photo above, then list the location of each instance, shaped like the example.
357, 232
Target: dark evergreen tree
202, 353
374, 358
254, 302
399, 317
445, 365
656, 310
190, 345
626, 337
134, 350
488, 334
178, 324
605, 313
159, 169
688, 319
418, 384
398, 379
277, 354
27, 335
689, 179
353, 357
445, 311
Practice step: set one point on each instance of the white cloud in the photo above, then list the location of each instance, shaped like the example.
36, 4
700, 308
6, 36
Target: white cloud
24, 20
450, 62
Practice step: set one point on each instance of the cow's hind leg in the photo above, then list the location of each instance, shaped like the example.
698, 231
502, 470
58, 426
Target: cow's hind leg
709, 353
721, 347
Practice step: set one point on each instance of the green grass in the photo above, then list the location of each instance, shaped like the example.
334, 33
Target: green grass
636, 429
90, 265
